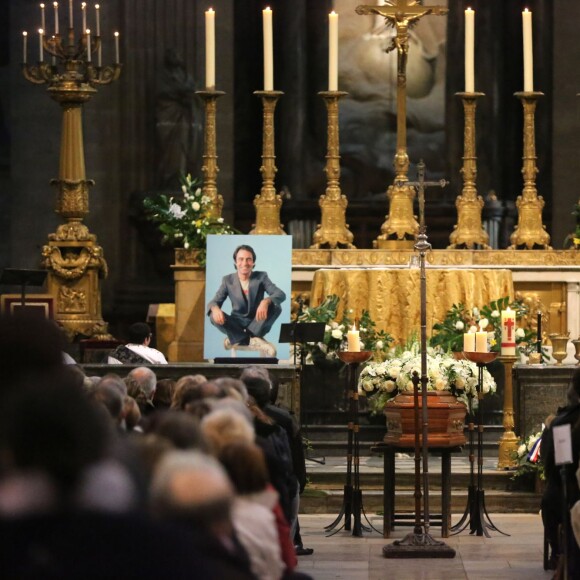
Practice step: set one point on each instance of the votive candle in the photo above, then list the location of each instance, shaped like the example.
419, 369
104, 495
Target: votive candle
42, 20
469, 342
55, 4
40, 48
117, 48
353, 339
24, 46
84, 13
268, 50
88, 45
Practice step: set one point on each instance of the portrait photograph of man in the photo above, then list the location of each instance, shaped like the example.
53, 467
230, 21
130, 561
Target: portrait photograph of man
248, 301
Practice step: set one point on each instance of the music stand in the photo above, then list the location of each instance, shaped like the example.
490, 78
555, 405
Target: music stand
301, 333
23, 277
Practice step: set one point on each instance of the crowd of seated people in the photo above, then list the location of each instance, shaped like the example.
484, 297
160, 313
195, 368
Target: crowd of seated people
125, 477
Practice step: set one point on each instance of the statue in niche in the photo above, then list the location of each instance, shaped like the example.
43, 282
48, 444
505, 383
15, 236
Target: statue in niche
178, 121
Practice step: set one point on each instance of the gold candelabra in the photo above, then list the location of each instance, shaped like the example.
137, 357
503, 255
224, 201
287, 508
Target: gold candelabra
469, 232
74, 260
508, 443
333, 230
401, 227
268, 202
530, 231
210, 167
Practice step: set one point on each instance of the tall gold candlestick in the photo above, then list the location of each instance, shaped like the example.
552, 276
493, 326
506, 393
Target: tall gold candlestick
401, 227
469, 231
508, 443
530, 231
333, 230
72, 257
210, 167
268, 202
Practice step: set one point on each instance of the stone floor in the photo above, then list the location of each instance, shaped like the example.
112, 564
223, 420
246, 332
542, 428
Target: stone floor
514, 557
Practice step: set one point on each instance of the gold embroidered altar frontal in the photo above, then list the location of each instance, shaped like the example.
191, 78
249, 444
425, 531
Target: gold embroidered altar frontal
392, 295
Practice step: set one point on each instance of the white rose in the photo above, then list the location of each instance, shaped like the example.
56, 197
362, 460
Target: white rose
495, 314
473, 328
368, 386
394, 372
337, 333
520, 333
459, 383
483, 323
459, 325
440, 384
485, 388
195, 206
176, 211
475, 311
390, 386
522, 450
327, 328
379, 344
220, 220
186, 245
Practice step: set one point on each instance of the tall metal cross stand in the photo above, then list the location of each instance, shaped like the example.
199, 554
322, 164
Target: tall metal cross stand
419, 543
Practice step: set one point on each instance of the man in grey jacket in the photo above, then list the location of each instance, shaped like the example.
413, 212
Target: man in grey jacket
255, 302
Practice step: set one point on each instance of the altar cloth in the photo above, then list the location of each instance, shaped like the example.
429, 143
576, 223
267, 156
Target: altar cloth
392, 295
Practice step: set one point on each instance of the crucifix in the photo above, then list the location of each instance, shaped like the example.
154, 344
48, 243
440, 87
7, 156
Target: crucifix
419, 543
401, 15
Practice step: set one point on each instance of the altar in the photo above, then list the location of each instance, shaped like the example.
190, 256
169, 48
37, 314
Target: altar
392, 297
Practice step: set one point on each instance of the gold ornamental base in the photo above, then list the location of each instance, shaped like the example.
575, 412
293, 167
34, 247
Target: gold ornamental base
401, 225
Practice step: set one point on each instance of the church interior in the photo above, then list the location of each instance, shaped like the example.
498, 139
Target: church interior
423, 157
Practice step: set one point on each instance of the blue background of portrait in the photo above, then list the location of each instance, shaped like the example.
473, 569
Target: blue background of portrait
274, 256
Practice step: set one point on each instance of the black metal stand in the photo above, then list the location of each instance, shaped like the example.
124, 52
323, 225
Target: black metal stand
23, 277
352, 508
475, 515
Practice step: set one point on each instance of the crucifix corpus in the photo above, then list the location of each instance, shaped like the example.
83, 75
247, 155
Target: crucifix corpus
401, 228
419, 543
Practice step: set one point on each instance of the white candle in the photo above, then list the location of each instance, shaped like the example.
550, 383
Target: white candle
353, 340
481, 342
469, 51
55, 4
528, 51
70, 14
24, 46
210, 49
84, 13
88, 45
42, 20
268, 50
508, 332
116, 48
333, 51
469, 342
40, 48
98, 19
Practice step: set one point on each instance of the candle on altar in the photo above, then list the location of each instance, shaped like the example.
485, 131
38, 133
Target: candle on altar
70, 14
539, 333
84, 12
42, 20
116, 48
268, 50
528, 51
353, 339
469, 342
98, 24
24, 46
40, 48
508, 332
88, 45
333, 51
55, 4
210, 50
469, 51
481, 342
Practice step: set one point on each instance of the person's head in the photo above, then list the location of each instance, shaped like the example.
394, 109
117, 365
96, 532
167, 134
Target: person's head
111, 398
139, 333
225, 426
163, 393
234, 388
115, 381
244, 259
246, 466
146, 380
181, 428
574, 390
258, 387
183, 385
131, 413
193, 488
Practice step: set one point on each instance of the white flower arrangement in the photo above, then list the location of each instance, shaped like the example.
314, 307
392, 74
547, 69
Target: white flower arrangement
380, 381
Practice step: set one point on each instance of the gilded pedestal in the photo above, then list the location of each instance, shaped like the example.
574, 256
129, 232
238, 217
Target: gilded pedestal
189, 277
508, 443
